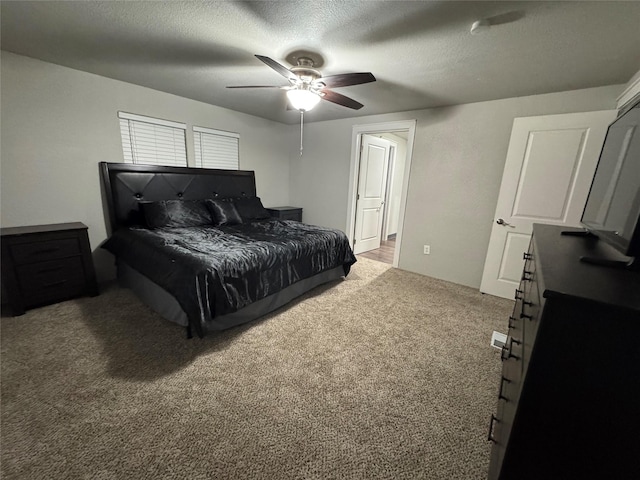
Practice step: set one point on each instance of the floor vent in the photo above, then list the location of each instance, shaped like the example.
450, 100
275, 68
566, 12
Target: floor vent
498, 340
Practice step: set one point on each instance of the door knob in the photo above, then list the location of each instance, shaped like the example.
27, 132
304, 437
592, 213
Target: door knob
500, 221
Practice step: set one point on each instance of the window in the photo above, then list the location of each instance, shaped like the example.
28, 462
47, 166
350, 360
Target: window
216, 149
152, 140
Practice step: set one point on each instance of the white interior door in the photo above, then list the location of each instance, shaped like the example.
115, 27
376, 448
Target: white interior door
548, 171
372, 183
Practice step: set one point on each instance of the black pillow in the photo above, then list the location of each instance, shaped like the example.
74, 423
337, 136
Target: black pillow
223, 212
250, 209
175, 213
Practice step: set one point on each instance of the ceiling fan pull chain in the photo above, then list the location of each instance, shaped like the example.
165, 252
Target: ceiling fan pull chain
301, 129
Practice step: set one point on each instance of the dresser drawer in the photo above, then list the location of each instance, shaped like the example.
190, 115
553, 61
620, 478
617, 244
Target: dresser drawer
529, 260
499, 432
54, 273
24, 253
531, 310
510, 382
516, 335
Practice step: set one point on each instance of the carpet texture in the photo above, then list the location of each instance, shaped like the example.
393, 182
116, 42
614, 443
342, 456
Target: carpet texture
385, 375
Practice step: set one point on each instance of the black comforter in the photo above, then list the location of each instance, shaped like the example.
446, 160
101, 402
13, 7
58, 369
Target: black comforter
213, 271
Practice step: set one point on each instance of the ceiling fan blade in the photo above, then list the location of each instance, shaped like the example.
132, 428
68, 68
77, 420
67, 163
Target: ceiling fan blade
341, 100
347, 79
281, 69
256, 86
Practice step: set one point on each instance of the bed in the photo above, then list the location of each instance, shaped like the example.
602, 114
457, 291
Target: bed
199, 248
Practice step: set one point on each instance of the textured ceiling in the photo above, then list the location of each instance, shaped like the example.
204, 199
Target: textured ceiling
421, 52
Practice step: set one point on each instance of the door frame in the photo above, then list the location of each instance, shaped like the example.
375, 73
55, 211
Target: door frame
393, 150
354, 171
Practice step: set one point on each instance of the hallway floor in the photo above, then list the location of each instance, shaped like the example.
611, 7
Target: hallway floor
382, 254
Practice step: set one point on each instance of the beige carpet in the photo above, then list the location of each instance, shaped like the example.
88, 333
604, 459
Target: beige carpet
387, 375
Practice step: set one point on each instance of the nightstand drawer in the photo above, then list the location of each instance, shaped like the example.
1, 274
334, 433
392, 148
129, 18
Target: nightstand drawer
48, 250
50, 275
291, 216
286, 213
57, 292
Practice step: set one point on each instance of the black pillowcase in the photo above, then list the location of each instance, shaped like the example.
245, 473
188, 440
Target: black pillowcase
175, 213
224, 212
250, 209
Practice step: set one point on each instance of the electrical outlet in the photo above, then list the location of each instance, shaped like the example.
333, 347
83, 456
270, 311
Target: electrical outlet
427, 249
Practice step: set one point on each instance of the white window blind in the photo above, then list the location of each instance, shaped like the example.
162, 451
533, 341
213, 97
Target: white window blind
216, 148
152, 140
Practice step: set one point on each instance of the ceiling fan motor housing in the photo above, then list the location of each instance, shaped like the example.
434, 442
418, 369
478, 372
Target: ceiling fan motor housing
305, 71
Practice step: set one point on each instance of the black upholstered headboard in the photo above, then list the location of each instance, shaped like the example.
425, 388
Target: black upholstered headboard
125, 185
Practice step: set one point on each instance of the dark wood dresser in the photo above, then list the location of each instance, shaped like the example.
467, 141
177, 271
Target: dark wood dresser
46, 264
569, 396
286, 213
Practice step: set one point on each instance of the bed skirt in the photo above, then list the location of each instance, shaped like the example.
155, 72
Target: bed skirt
165, 304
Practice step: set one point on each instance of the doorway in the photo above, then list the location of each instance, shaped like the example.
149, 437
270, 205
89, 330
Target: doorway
379, 178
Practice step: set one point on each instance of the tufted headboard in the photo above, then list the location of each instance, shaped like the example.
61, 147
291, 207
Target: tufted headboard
125, 185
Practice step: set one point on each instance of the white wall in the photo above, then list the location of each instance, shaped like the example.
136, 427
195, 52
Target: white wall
458, 158
58, 123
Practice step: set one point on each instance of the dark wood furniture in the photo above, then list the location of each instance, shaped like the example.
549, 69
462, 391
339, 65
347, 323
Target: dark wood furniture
568, 396
286, 213
46, 264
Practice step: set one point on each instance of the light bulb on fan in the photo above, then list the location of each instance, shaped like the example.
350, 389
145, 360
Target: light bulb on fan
303, 99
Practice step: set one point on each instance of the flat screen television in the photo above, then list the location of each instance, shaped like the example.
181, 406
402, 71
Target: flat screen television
612, 210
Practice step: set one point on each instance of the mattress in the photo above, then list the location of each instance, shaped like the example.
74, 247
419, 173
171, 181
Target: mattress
213, 272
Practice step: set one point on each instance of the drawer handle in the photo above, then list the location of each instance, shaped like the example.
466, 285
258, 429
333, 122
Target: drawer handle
527, 276
502, 382
503, 351
491, 422
509, 351
528, 317
519, 294
54, 284
527, 256
511, 325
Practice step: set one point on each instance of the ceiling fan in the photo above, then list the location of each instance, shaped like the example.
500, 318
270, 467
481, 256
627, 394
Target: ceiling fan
307, 86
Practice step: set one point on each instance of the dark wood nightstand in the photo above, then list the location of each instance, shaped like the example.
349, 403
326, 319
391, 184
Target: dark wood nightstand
45, 264
286, 213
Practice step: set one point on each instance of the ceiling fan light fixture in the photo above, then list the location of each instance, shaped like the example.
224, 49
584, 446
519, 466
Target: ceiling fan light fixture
303, 100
